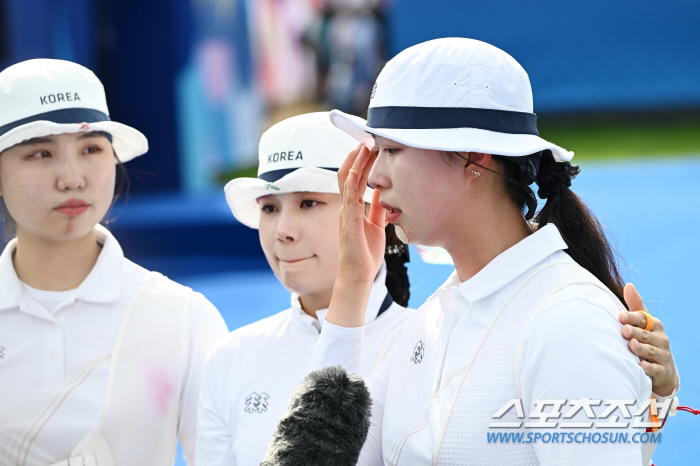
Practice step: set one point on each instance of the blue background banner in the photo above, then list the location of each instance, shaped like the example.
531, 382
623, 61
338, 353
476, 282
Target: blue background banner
588, 56
581, 56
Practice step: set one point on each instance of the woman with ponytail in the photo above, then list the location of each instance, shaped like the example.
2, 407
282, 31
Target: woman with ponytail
518, 357
583, 234
294, 203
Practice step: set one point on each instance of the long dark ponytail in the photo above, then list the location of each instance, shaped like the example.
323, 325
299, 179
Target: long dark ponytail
396, 256
578, 226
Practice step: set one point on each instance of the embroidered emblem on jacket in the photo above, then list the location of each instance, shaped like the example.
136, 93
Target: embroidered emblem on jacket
256, 402
418, 352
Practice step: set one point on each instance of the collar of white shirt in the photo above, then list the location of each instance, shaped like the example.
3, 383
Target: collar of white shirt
376, 298
508, 265
102, 285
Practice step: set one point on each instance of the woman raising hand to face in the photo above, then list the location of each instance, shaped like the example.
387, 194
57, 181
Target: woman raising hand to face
533, 293
362, 238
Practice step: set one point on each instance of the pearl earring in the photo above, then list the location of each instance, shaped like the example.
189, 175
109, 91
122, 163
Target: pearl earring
475, 173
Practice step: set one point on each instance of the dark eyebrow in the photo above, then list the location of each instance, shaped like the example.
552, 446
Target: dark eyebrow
91, 134
31, 142
49, 139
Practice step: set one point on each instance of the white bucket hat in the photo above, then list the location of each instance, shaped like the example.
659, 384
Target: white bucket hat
42, 97
453, 94
299, 154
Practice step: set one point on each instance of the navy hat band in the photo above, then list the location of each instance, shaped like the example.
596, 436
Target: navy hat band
501, 121
275, 175
63, 116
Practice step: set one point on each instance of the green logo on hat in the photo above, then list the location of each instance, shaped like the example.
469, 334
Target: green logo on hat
270, 185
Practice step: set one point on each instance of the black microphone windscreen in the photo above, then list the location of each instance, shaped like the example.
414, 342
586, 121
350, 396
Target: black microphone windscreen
326, 422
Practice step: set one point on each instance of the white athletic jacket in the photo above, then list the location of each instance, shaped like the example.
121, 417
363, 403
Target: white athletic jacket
250, 375
55, 366
531, 325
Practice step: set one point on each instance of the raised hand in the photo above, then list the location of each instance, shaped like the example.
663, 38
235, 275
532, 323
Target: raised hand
362, 241
651, 345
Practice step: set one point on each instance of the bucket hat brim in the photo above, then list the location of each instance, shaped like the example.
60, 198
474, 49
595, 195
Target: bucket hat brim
451, 139
127, 142
243, 194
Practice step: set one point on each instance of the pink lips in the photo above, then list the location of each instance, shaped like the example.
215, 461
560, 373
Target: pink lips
73, 207
393, 213
294, 261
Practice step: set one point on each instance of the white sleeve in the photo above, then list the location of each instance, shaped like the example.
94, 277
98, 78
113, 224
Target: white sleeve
343, 346
338, 346
206, 328
573, 350
371, 454
214, 442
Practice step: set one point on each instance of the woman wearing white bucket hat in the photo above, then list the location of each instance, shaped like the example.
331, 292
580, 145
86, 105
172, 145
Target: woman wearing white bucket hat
294, 202
531, 312
100, 359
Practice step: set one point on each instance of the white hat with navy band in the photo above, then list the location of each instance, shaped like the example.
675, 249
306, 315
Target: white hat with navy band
453, 94
43, 96
300, 154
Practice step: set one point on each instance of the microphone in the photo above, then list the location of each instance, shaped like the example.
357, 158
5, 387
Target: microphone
326, 422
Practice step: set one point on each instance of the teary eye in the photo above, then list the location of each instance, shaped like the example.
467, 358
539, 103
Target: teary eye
42, 154
93, 149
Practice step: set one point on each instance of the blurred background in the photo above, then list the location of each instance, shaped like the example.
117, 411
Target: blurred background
616, 82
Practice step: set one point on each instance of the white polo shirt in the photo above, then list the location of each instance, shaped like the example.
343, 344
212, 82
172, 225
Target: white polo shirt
250, 375
572, 349
54, 364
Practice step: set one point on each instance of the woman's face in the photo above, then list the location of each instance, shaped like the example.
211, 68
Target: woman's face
60, 186
299, 234
420, 190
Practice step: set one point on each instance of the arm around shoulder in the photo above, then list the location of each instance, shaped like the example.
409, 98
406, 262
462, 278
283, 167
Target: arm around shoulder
572, 350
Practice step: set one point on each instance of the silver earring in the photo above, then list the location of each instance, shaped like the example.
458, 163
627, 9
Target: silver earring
475, 173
